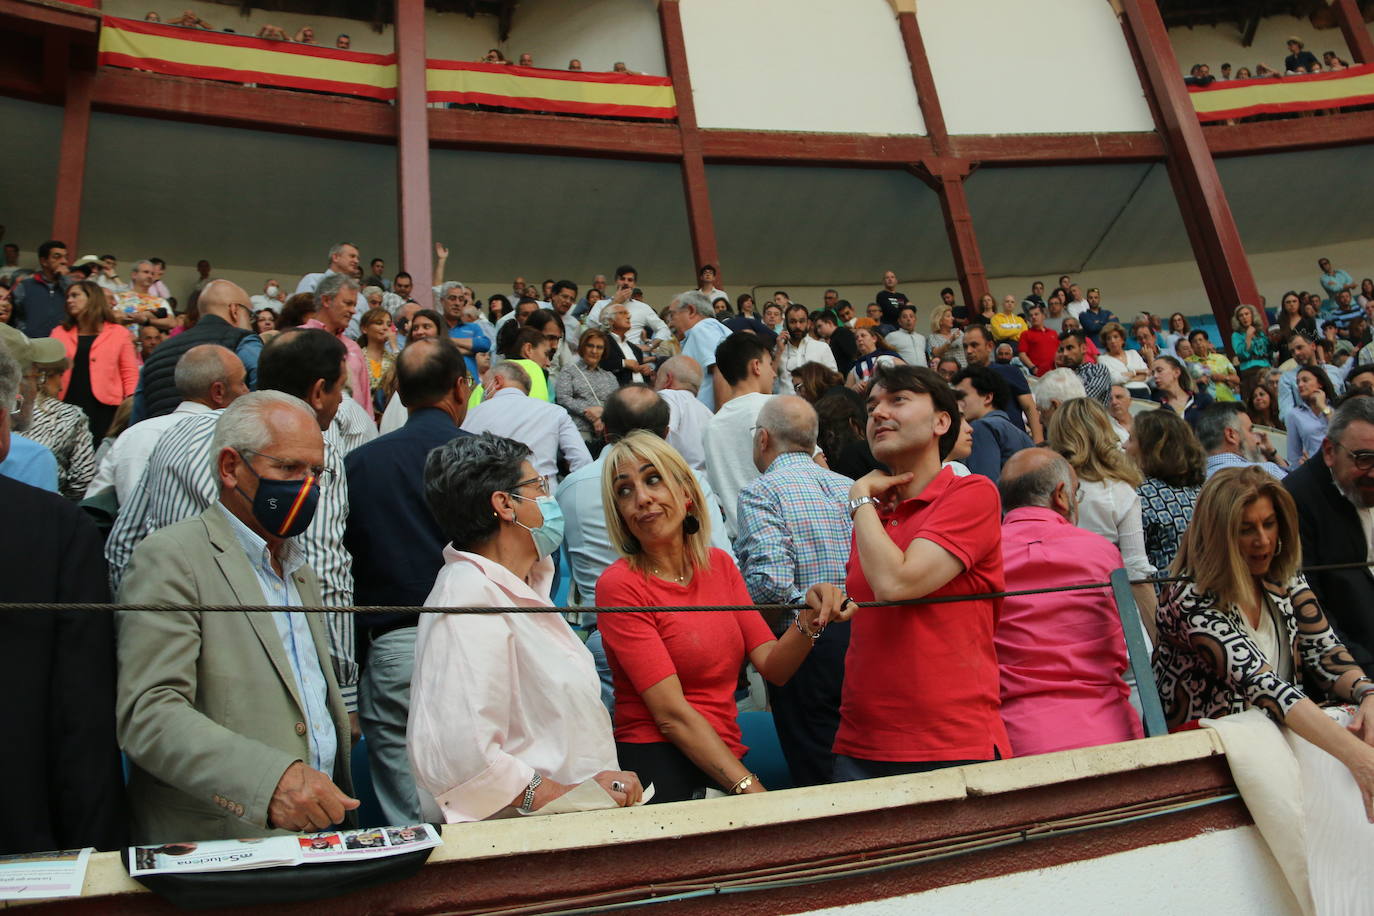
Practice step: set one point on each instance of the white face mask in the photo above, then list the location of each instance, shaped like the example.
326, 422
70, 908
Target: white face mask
273, 291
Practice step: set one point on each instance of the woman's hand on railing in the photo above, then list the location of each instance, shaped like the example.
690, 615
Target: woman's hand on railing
826, 603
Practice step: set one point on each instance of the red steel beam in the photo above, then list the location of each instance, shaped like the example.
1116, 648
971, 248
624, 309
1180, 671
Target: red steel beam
1357, 37
231, 104
1057, 149
923, 78
1322, 132
56, 15
699, 218
412, 146
1216, 240
745, 146
946, 178
71, 158
552, 134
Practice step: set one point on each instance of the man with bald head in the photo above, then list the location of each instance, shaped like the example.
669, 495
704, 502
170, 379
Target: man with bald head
225, 319
1061, 655
678, 381
209, 378
795, 532
398, 550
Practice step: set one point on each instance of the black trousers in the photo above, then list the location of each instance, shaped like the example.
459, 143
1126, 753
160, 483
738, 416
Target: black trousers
674, 776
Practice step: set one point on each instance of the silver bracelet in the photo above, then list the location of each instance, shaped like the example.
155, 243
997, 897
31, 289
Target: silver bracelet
527, 805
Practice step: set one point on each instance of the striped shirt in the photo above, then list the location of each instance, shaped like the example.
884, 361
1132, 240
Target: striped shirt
180, 482
64, 429
794, 530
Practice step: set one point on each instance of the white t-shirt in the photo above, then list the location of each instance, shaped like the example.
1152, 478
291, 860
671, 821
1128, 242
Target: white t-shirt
730, 452
687, 428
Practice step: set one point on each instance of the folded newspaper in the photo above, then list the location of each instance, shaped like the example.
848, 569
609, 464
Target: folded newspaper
280, 851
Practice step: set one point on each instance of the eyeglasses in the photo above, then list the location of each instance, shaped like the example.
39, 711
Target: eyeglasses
541, 480
295, 469
1364, 460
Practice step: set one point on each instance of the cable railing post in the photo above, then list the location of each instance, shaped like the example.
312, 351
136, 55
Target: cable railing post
1143, 671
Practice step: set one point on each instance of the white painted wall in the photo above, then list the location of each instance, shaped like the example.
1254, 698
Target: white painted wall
1240, 877
802, 65
598, 34
1033, 66
1213, 45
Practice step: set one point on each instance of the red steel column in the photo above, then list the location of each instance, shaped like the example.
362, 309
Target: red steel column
699, 218
1201, 199
945, 176
412, 147
71, 158
1357, 36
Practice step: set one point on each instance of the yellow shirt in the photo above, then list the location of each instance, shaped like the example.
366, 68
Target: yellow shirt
1007, 327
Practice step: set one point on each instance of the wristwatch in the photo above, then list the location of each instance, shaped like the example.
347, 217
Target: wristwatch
527, 804
855, 505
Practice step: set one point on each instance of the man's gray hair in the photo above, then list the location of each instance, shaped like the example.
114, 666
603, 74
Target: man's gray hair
10, 374
1213, 422
1058, 385
450, 285
460, 477
697, 302
243, 424
338, 247
791, 422
1359, 408
1035, 487
141, 261
331, 285
685, 370
513, 373
200, 367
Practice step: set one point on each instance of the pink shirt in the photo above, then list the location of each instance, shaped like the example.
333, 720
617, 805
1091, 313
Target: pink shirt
1061, 654
497, 697
358, 377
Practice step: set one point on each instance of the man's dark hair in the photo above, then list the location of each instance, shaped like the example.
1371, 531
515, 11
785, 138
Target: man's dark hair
376, 261
796, 307
981, 329
920, 380
985, 381
402, 274
9, 245
705, 267
735, 353
907, 308
947, 289
47, 247
1076, 333
783, 293
562, 285
825, 315
426, 374
1196, 333
624, 269
1356, 372
523, 299
539, 318
296, 359
158, 261
624, 412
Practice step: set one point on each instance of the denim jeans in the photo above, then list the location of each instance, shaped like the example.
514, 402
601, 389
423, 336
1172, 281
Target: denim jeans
383, 708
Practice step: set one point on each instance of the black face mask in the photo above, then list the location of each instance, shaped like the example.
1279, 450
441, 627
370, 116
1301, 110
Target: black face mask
284, 508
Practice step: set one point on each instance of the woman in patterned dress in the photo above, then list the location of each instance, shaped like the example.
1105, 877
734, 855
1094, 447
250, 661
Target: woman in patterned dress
1243, 629
1175, 466
60, 426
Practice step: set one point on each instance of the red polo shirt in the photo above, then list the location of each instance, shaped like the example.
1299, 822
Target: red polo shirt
921, 681
1040, 346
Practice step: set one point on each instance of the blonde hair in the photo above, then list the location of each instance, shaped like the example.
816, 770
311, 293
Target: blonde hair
1081, 431
1209, 553
937, 316
642, 446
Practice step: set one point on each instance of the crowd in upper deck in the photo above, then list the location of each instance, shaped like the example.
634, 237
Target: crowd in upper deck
344, 439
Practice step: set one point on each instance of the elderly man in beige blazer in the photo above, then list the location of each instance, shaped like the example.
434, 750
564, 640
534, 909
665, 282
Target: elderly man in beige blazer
232, 721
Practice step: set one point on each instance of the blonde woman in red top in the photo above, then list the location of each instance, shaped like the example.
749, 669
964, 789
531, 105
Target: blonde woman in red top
102, 367
675, 673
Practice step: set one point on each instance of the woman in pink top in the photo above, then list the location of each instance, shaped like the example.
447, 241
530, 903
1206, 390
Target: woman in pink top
1061, 654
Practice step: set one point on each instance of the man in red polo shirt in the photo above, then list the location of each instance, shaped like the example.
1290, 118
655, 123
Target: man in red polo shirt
921, 684
1038, 344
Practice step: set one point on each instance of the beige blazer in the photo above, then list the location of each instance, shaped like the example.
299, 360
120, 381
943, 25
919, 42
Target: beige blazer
208, 711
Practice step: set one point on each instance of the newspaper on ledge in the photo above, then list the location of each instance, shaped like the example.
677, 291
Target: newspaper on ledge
34, 876
280, 851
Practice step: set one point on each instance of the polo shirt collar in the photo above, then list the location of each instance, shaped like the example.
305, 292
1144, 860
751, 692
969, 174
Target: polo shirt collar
933, 491
1034, 514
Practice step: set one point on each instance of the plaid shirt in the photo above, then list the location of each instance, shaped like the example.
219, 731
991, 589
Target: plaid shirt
794, 530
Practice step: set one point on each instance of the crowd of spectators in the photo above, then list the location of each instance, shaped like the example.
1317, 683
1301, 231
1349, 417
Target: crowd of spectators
352, 440
1298, 62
